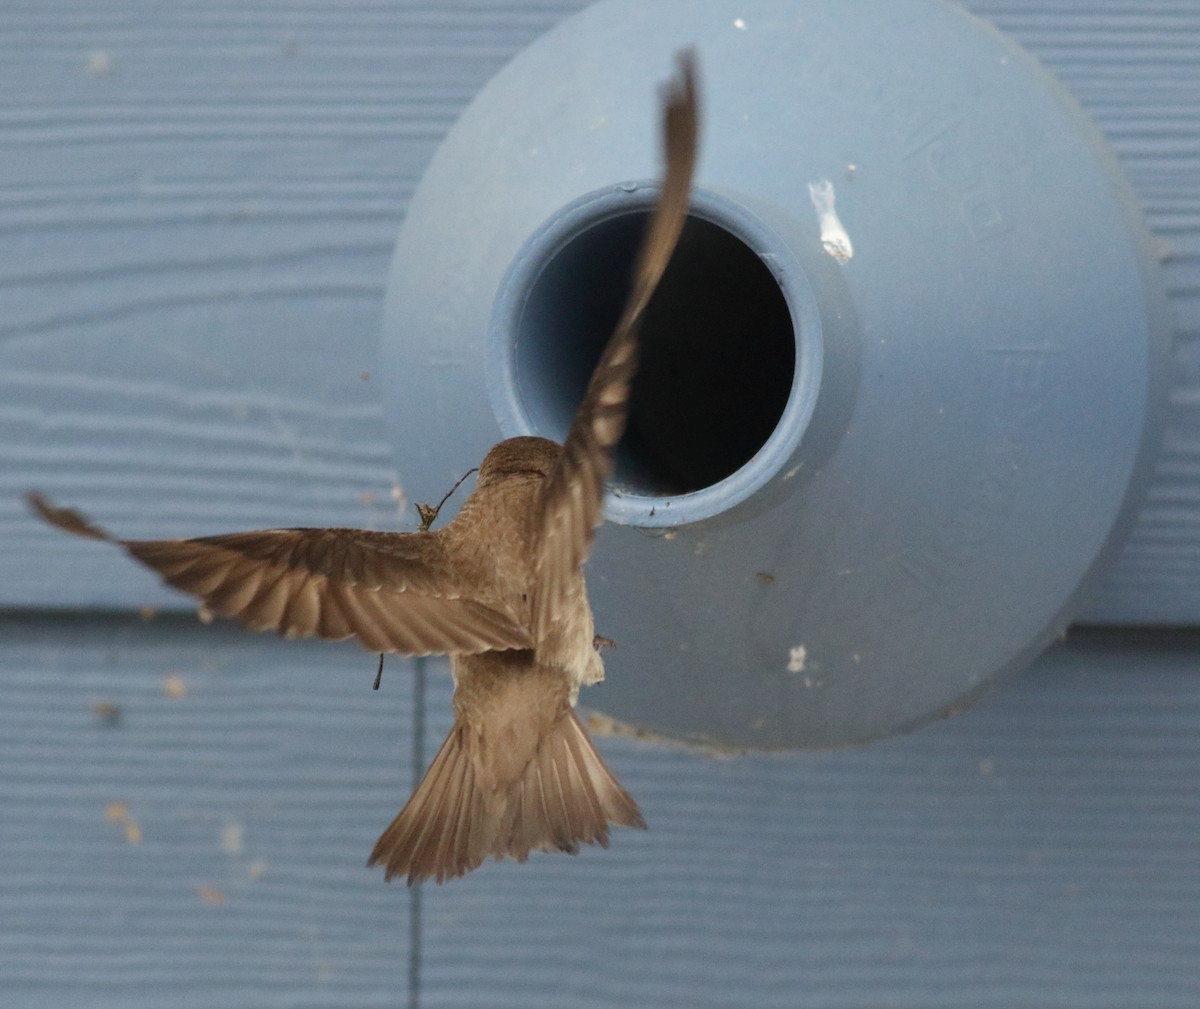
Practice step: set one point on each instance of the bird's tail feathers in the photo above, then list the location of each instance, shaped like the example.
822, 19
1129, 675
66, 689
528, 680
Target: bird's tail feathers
566, 797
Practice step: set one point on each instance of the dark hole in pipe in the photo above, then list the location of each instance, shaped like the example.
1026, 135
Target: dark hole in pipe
718, 352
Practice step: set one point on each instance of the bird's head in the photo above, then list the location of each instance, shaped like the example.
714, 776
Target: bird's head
525, 455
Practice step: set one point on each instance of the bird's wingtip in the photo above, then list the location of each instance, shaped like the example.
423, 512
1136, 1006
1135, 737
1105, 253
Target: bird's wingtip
67, 519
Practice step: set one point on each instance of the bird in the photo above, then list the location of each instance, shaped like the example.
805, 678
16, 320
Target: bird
500, 589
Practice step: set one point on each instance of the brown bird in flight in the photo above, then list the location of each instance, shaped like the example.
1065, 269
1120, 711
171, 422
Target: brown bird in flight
500, 589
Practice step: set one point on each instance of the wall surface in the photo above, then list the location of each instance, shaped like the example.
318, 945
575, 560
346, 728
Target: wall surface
197, 207
1037, 850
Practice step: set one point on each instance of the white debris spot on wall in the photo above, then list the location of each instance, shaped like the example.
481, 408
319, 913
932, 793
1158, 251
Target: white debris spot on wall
233, 839
796, 658
739, 24
98, 63
833, 235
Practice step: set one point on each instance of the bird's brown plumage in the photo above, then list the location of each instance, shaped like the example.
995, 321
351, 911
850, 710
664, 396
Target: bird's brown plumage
573, 495
393, 592
500, 589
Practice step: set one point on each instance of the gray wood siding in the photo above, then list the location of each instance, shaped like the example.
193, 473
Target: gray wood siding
197, 206
1037, 850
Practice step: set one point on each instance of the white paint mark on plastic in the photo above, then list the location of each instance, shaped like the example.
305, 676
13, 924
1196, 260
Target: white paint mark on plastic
833, 235
796, 658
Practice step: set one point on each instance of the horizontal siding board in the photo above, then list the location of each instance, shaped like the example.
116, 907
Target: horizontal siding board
197, 206
1038, 849
219, 899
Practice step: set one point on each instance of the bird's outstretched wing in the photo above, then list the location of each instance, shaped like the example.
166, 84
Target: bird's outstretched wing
573, 495
394, 592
